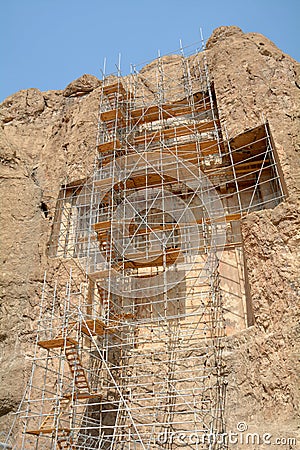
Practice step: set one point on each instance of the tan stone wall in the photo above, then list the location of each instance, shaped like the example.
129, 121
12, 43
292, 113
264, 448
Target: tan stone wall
46, 135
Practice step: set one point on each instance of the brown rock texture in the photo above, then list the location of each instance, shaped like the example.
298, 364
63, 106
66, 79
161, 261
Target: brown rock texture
47, 135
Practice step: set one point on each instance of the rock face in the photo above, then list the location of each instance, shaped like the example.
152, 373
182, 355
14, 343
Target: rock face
81, 86
252, 77
45, 136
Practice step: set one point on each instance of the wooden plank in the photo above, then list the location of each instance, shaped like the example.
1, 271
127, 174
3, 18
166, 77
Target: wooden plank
76, 368
47, 431
172, 255
118, 317
114, 88
87, 238
100, 226
154, 227
106, 160
226, 218
96, 327
176, 111
209, 147
146, 114
167, 110
188, 150
244, 168
109, 146
59, 342
251, 171
232, 217
112, 115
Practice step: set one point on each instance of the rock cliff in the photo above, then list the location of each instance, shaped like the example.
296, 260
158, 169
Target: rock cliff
47, 135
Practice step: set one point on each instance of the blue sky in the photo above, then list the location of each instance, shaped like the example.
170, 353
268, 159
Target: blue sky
48, 43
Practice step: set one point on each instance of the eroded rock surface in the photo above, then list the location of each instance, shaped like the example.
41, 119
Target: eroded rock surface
45, 135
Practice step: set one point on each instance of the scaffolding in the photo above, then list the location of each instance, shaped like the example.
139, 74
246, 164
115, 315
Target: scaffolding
129, 354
